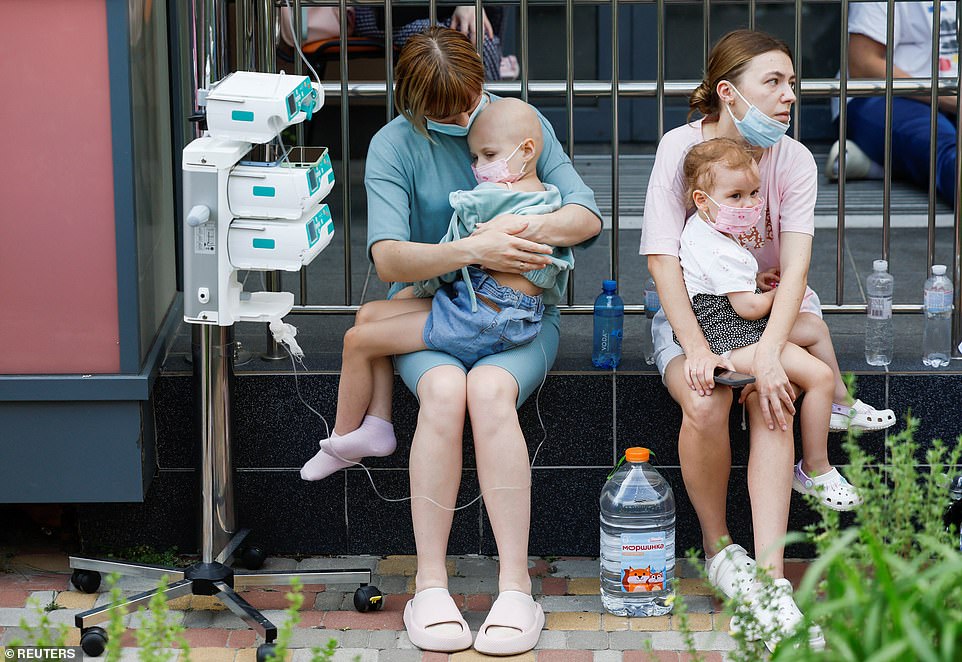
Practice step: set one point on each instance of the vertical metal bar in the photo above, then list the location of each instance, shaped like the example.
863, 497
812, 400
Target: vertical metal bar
706, 34
751, 14
660, 66
345, 179
887, 162
957, 208
479, 29
615, 44
842, 138
433, 12
933, 127
242, 44
798, 70
570, 104
525, 69
299, 70
389, 60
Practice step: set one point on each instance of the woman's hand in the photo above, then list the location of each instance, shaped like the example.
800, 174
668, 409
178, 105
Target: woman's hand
515, 224
465, 21
768, 280
501, 249
775, 392
700, 367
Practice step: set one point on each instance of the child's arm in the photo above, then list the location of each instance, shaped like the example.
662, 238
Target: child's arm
752, 306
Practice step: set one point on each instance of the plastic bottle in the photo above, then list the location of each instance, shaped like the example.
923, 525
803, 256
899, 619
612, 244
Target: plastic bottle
609, 322
879, 335
637, 539
953, 514
652, 306
937, 335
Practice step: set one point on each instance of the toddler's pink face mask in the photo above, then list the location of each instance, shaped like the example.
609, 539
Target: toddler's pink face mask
735, 220
498, 171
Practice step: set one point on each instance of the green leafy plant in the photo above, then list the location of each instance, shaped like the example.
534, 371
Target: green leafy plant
44, 632
149, 555
887, 582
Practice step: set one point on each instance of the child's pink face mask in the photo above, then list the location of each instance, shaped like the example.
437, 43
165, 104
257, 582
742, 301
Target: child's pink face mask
735, 220
498, 171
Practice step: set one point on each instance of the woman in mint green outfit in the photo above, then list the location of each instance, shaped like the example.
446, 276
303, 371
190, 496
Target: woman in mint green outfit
413, 163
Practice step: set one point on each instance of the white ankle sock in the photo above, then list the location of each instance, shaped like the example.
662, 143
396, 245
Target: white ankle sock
323, 464
375, 438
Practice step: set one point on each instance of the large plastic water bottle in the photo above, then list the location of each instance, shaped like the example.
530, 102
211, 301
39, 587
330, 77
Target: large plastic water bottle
609, 324
652, 306
937, 335
637, 539
879, 335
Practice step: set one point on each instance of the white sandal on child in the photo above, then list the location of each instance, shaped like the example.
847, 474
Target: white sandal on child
860, 416
830, 488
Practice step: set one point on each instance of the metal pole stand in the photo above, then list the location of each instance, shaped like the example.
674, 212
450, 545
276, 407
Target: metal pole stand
213, 352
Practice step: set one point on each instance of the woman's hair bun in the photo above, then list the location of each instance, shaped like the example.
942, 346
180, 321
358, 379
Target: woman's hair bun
701, 99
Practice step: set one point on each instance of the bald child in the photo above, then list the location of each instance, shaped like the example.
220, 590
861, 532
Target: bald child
470, 313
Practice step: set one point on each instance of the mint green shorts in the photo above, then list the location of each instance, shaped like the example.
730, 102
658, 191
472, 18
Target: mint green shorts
528, 364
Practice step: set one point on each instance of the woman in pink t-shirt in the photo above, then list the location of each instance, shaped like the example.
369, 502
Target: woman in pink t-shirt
747, 94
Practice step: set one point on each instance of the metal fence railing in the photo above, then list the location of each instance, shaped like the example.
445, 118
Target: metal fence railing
254, 42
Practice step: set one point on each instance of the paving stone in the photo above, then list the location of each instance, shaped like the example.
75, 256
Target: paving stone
554, 586
697, 586
391, 583
247, 655
206, 603
588, 640
207, 637
14, 598
212, 654
223, 619
74, 600
468, 585
241, 639
372, 620
649, 624
538, 567
583, 567
688, 570
474, 656
565, 656
34, 582
721, 622
696, 622
717, 641
552, 639
406, 565
329, 601
573, 621
310, 637
476, 566
668, 641
480, 602
355, 655
404, 641
383, 639
571, 603
612, 623
278, 563
396, 655
584, 586
181, 603
607, 656
360, 562
200, 619
701, 604
45, 562
628, 640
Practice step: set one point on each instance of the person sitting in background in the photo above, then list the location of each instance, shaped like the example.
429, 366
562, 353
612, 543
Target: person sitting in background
409, 21
912, 58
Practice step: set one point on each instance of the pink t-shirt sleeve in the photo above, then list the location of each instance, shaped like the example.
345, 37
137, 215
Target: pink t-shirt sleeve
797, 185
665, 208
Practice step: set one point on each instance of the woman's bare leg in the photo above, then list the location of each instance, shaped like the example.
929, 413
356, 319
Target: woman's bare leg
705, 451
435, 469
502, 457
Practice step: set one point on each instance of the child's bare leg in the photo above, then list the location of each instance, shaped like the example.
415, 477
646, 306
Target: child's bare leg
363, 425
815, 378
384, 328
811, 333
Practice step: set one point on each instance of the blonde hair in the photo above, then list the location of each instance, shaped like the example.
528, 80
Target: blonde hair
438, 74
727, 61
702, 159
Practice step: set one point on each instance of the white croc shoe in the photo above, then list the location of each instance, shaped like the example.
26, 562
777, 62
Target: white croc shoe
830, 488
731, 571
858, 165
775, 617
860, 416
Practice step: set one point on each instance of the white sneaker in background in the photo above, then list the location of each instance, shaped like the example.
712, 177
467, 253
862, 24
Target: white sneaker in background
857, 163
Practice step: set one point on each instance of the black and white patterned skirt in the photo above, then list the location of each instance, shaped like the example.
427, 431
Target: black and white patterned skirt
724, 329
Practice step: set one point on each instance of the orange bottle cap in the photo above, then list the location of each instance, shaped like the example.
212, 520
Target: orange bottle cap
637, 454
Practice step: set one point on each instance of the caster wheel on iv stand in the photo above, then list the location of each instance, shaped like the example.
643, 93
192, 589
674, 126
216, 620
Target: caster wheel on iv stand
265, 652
368, 598
93, 641
85, 581
252, 558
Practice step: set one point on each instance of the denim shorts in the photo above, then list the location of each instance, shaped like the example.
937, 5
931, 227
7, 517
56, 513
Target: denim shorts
505, 318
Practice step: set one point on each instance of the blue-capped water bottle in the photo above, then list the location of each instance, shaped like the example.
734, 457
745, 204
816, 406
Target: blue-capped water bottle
652, 306
609, 324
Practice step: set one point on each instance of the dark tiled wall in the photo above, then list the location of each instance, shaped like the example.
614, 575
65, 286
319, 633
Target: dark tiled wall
589, 418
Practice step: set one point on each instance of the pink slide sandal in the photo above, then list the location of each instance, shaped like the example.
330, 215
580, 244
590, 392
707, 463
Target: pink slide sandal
513, 625
434, 622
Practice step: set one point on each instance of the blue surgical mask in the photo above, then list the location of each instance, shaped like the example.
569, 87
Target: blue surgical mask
457, 129
756, 127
